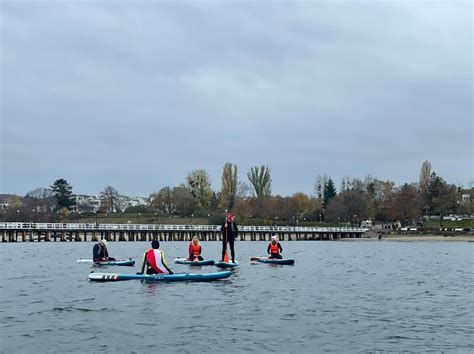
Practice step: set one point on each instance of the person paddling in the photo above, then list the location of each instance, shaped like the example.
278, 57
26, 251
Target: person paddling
154, 260
229, 233
195, 250
100, 253
274, 248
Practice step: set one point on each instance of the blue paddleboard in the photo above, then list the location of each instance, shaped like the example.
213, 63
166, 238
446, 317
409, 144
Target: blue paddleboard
127, 262
226, 264
273, 260
110, 277
205, 262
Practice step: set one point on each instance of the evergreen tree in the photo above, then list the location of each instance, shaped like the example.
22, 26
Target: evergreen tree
329, 191
63, 193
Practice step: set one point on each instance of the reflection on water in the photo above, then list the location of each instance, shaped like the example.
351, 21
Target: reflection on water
340, 296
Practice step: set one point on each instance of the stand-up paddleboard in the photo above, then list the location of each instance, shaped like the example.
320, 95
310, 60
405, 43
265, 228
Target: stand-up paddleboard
273, 260
205, 262
221, 264
108, 277
127, 262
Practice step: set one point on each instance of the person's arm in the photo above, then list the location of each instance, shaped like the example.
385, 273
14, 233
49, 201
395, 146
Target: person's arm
164, 262
224, 231
268, 249
280, 248
190, 251
106, 253
143, 264
95, 252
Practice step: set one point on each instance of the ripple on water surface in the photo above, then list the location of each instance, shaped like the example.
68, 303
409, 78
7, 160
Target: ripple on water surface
361, 296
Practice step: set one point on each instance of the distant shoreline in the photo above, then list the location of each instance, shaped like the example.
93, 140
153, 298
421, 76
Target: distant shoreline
416, 238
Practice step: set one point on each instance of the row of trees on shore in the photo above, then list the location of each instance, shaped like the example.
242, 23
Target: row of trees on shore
356, 200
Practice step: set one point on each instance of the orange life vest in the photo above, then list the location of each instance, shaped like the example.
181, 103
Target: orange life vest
274, 248
195, 250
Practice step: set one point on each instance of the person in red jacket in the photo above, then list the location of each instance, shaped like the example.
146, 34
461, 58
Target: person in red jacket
195, 250
274, 248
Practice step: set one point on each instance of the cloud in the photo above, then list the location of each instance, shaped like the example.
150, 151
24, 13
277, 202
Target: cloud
137, 95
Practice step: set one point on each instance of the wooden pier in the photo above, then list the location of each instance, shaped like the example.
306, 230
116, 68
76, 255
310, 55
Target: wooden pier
57, 232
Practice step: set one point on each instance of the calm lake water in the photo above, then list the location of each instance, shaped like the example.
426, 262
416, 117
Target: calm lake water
339, 296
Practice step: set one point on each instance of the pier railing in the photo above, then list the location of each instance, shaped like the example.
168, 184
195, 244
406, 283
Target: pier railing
28, 231
168, 227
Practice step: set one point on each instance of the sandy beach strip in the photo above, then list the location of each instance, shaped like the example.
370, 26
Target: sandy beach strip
412, 238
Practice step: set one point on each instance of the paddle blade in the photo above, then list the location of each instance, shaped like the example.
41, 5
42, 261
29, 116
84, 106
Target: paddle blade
226, 257
255, 258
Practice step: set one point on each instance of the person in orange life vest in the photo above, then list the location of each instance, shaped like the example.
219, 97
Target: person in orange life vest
229, 233
154, 260
195, 250
274, 248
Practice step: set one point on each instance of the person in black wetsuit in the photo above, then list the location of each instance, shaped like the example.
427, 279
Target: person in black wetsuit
229, 233
274, 248
100, 253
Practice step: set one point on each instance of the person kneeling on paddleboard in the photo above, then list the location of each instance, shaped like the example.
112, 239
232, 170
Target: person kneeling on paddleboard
154, 260
100, 253
195, 250
274, 248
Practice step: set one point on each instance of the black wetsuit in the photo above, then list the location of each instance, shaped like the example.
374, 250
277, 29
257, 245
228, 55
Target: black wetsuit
192, 258
99, 252
229, 234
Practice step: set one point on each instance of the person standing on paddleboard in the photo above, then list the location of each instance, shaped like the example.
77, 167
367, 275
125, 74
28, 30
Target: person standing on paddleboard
100, 253
195, 250
229, 233
154, 260
274, 248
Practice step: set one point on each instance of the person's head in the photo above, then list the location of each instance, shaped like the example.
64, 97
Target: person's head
274, 239
230, 218
155, 244
196, 240
103, 242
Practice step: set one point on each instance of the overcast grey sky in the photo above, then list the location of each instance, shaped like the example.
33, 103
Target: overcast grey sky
137, 94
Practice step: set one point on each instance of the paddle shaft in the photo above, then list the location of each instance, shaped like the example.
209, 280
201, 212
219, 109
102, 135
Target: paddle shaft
226, 227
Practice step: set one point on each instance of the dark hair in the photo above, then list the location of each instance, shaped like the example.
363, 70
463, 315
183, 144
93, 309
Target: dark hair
155, 244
